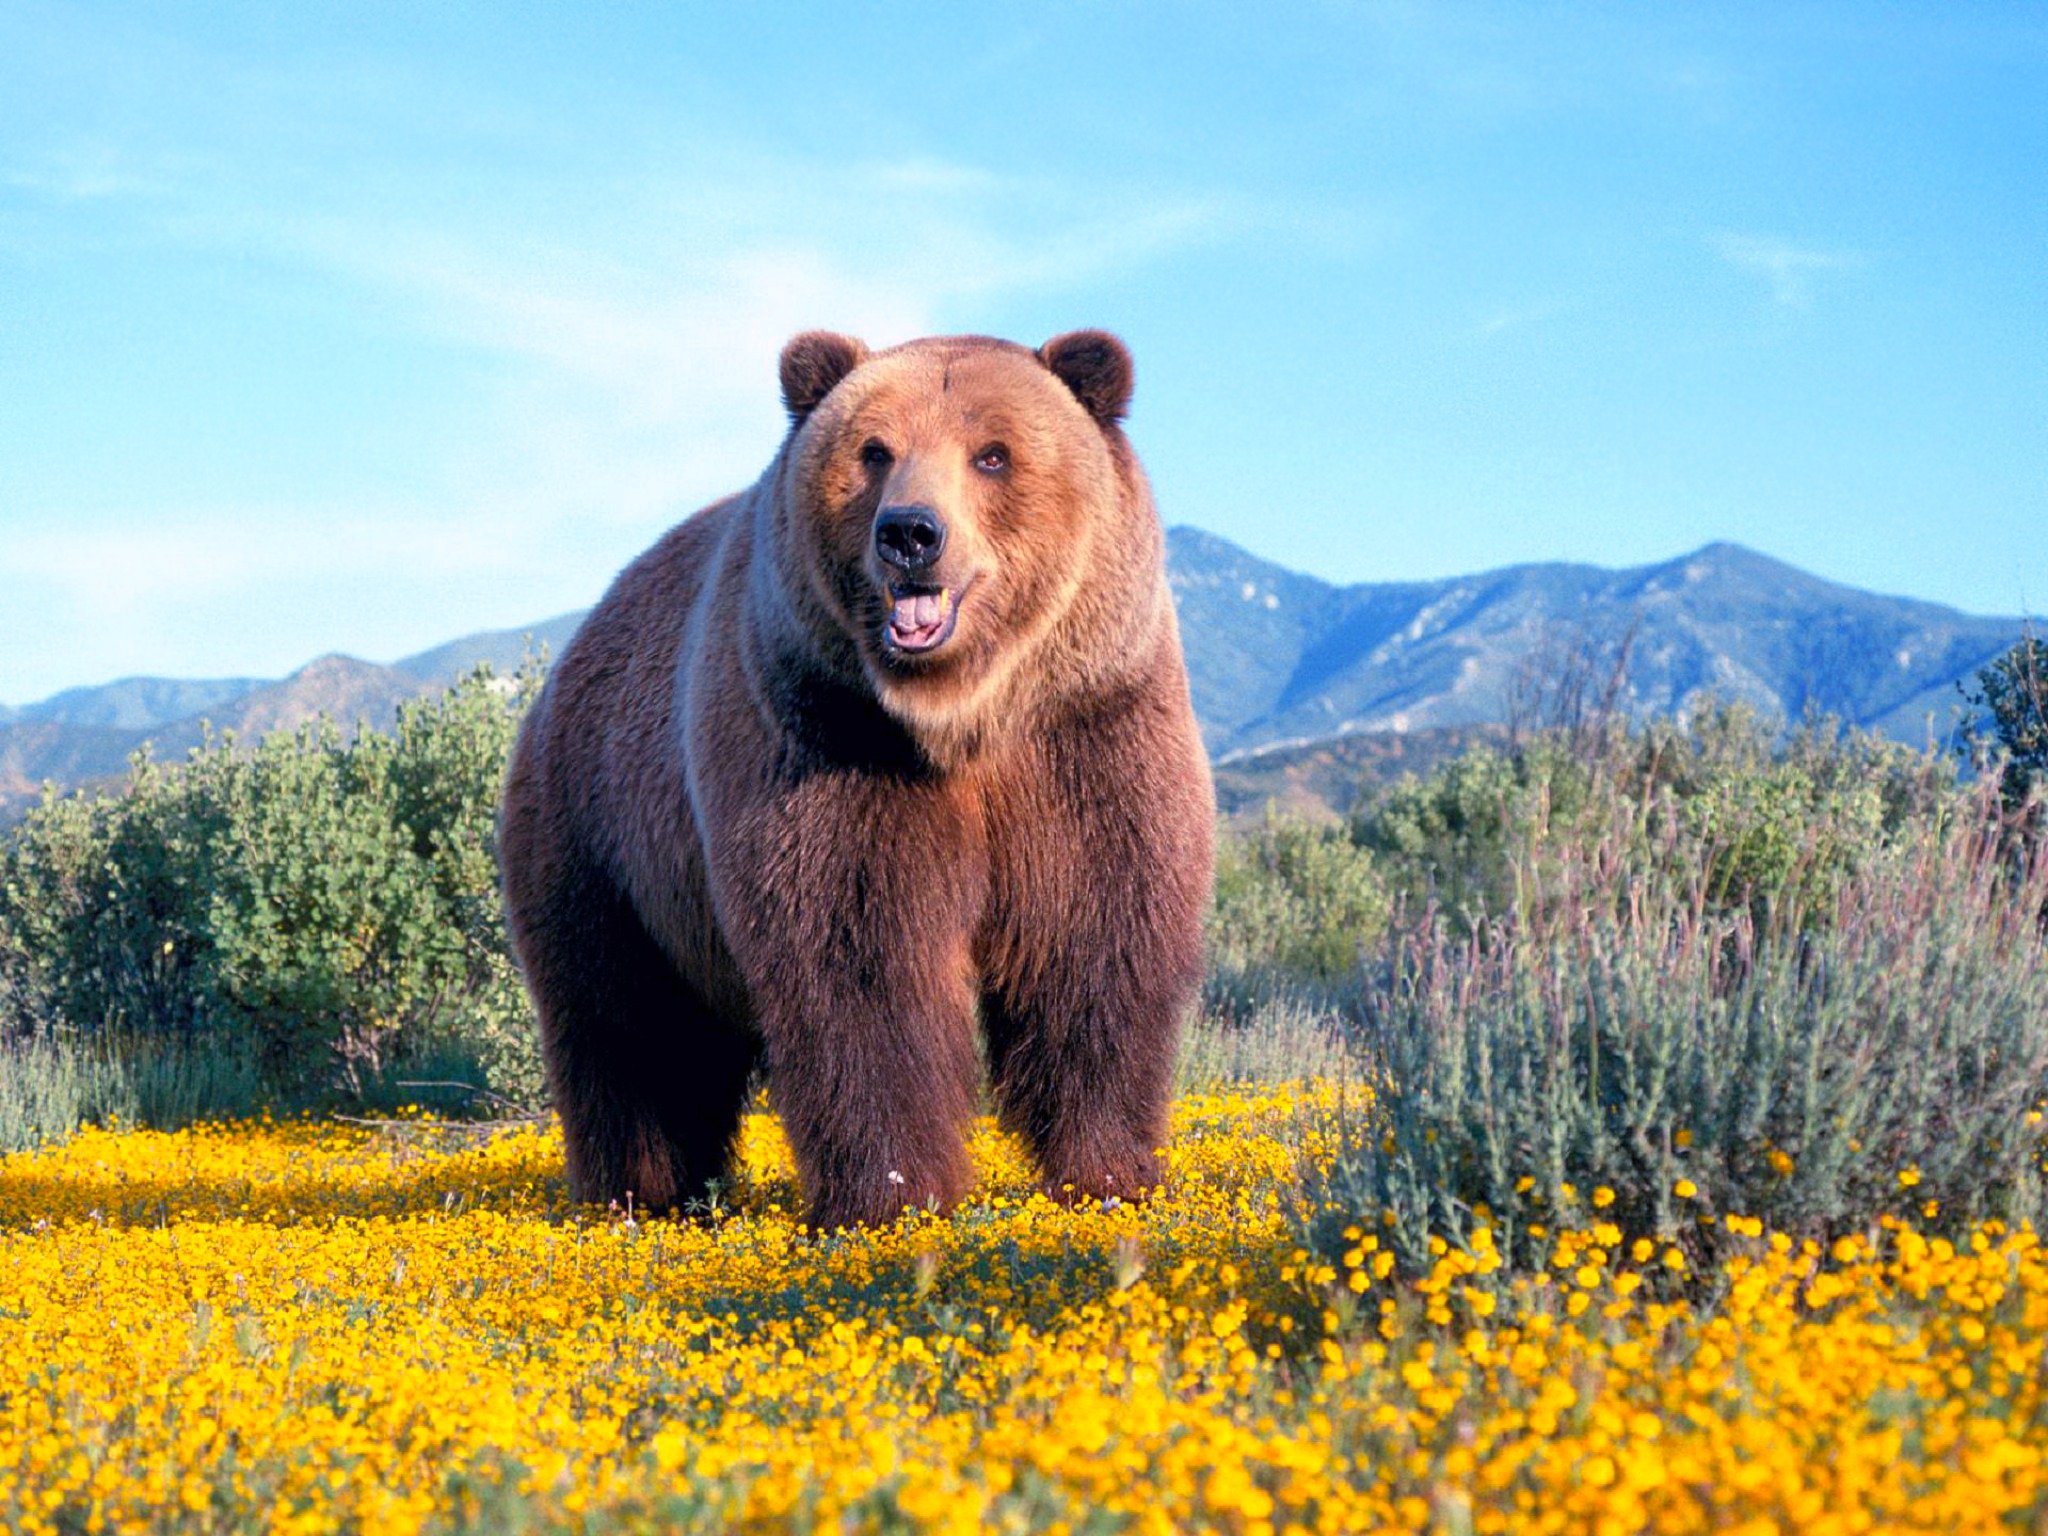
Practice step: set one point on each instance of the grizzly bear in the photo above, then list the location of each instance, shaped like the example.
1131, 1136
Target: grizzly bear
894, 743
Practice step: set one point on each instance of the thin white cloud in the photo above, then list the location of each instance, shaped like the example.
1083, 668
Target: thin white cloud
617, 328
632, 377
83, 183
644, 358
1789, 269
259, 590
927, 174
107, 573
1514, 317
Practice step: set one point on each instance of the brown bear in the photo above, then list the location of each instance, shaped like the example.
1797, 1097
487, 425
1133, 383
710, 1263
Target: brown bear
897, 740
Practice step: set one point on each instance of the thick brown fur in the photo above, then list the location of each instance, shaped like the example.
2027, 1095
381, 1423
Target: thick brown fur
739, 827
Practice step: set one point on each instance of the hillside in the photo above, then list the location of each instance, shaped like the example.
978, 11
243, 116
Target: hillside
1276, 659
1326, 777
1277, 656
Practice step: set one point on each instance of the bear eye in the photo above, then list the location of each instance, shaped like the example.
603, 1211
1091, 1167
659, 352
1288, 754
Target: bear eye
993, 459
876, 455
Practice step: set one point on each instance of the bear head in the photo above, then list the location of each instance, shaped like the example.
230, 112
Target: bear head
963, 505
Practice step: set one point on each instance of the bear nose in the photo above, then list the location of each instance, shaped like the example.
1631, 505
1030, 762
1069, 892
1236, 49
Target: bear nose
909, 538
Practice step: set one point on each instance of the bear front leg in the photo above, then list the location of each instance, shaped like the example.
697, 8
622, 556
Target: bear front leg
650, 1098
1094, 956
848, 911
648, 1080
1084, 1071
875, 1097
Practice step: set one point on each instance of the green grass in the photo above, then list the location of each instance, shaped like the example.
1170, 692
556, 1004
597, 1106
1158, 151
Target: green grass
54, 1084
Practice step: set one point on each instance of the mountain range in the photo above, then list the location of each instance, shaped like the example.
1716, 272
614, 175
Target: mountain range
1279, 662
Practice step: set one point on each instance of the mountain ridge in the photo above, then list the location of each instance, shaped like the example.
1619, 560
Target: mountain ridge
1277, 659
1405, 655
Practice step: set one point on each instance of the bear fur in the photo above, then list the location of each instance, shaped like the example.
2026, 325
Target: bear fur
893, 744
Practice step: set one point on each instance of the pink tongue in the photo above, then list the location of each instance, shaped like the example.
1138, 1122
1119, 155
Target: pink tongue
918, 611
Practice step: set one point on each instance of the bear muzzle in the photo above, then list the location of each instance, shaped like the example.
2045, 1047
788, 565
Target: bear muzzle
923, 608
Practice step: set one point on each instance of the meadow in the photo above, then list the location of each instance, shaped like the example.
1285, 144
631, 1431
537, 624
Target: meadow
1633, 1129
311, 1327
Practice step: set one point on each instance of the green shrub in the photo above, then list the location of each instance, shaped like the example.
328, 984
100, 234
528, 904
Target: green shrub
326, 906
1444, 839
1749, 815
1614, 1036
1298, 904
1779, 824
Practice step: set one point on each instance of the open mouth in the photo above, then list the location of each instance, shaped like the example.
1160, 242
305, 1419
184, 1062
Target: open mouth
920, 618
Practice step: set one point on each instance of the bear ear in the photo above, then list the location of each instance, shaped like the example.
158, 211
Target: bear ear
811, 364
1096, 367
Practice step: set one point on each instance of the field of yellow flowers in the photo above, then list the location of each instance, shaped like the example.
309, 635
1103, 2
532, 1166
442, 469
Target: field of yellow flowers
309, 1327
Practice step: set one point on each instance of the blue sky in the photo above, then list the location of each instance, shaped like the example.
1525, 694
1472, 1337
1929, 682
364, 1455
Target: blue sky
359, 327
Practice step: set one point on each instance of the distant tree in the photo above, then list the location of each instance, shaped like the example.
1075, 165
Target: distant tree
2013, 692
